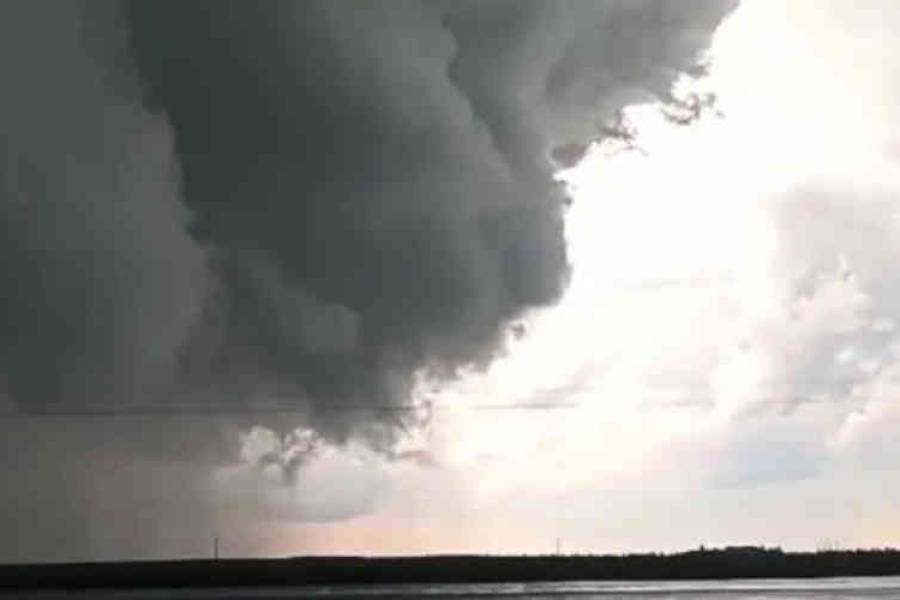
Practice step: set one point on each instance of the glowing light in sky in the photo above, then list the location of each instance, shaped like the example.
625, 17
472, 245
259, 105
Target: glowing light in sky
679, 309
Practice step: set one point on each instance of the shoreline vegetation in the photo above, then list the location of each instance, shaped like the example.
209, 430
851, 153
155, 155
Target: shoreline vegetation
726, 563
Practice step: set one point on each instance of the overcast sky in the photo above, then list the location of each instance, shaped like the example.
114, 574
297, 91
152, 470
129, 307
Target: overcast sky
357, 277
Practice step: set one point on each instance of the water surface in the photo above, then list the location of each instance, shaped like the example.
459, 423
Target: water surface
760, 589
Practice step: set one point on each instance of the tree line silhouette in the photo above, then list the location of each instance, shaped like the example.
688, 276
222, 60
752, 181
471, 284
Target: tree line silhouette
731, 562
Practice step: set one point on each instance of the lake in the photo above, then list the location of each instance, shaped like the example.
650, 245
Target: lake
763, 589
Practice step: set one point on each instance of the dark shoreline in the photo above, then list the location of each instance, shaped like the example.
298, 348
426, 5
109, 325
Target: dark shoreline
729, 563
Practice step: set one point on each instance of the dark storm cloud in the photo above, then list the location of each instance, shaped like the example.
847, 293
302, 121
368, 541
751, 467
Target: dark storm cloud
373, 177
99, 278
215, 205
365, 224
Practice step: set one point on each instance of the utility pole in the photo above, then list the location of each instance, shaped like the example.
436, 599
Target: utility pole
216, 546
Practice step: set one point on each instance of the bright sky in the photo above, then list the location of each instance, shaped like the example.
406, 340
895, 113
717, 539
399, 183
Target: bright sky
724, 356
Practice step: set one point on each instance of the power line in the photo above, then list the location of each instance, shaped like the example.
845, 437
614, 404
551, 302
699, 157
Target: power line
694, 389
